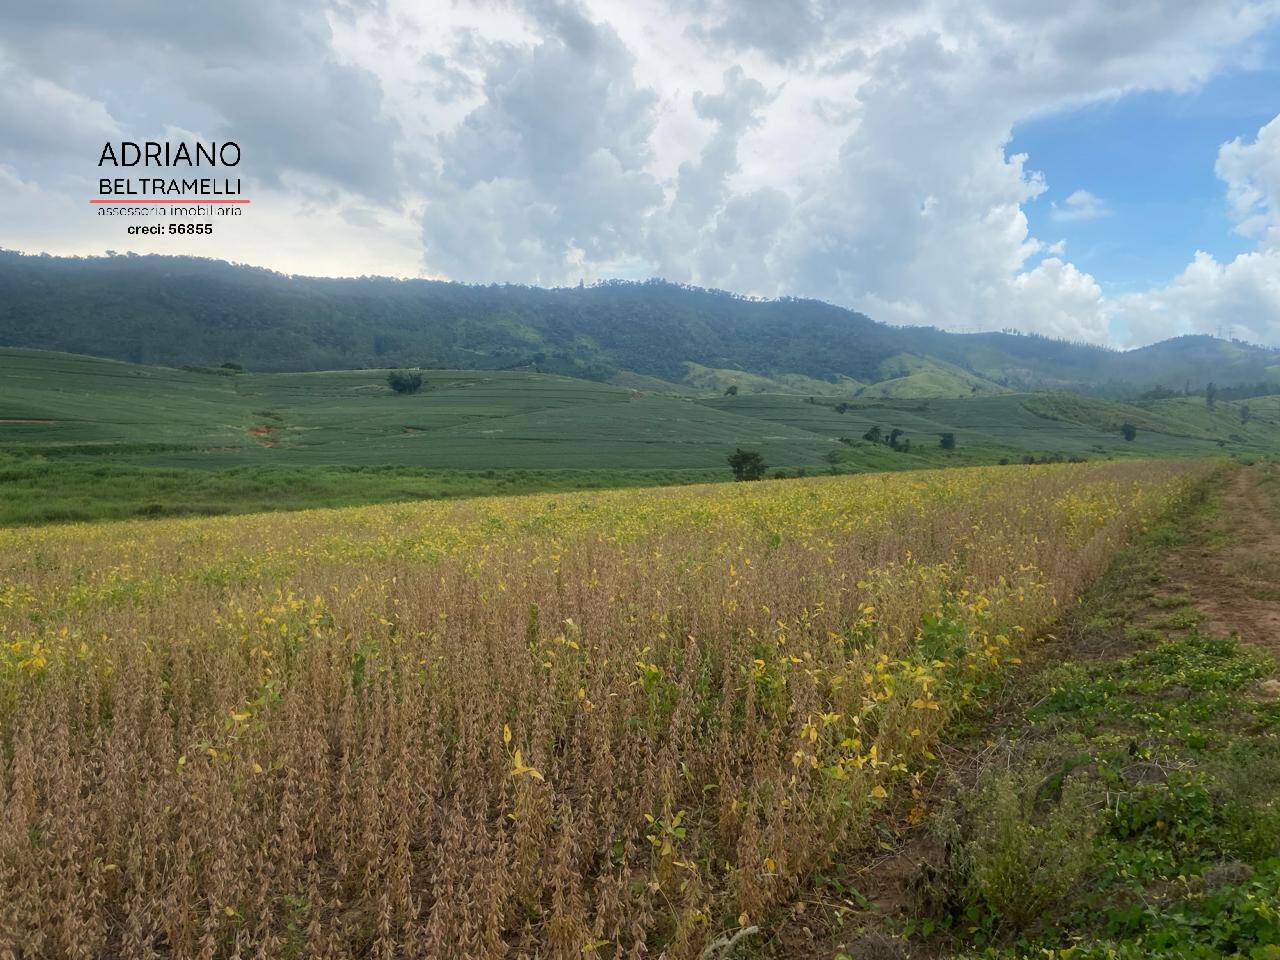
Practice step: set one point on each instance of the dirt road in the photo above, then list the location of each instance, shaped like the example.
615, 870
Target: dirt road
1234, 577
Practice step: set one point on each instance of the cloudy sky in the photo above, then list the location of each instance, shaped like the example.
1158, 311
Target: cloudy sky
1104, 170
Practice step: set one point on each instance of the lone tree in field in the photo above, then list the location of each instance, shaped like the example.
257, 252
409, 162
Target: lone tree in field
1211, 395
731, 390
405, 381
1129, 431
947, 441
874, 435
747, 464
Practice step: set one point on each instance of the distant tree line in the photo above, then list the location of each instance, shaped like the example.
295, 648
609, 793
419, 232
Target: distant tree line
1212, 392
894, 439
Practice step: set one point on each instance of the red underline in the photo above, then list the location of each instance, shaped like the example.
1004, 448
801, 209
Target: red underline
200, 200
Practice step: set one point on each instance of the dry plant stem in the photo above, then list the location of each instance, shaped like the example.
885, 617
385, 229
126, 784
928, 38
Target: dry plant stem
597, 724
723, 946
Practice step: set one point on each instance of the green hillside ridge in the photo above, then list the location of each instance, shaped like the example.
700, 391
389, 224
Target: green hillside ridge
716, 381
906, 375
644, 384
1255, 420
178, 311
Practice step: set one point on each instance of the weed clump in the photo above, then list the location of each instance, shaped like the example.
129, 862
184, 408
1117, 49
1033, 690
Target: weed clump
1023, 862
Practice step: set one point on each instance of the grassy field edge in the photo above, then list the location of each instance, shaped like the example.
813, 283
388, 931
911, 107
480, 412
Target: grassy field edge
1115, 797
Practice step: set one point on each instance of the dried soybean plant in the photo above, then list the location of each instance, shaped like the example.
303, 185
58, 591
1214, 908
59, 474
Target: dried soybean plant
608, 724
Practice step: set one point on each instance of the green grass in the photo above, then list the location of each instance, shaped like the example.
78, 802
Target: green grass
910, 376
1183, 768
61, 405
1188, 418
49, 491
1011, 426
710, 380
221, 441
1169, 766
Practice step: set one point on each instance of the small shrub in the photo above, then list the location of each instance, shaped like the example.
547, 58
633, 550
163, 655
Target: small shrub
1180, 619
747, 464
1021, 866
405, 381
1249, 800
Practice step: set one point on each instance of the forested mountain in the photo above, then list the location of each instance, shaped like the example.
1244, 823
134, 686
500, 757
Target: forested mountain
182, 310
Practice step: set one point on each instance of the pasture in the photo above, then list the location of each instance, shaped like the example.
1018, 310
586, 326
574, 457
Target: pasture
87, 439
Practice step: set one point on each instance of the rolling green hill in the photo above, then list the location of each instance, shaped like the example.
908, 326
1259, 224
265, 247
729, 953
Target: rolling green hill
84, 437
70, 406
179, 311
906, 375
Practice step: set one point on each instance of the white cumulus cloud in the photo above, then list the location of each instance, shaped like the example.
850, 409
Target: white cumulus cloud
1081, 205
1252, 175
1242, 297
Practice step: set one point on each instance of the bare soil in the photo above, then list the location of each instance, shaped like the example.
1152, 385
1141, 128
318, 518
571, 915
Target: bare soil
1235, 576
263, 433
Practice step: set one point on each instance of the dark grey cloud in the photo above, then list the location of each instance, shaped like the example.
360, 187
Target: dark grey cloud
702, 184
263, 73
825, 34
446, 82
41, 120
548, 106
784, 30
707, 231
551, 166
